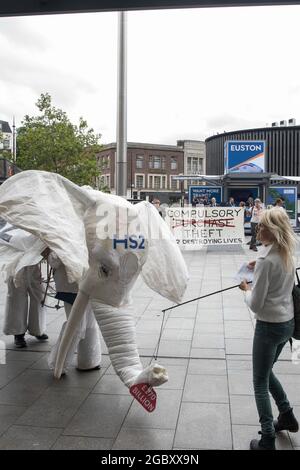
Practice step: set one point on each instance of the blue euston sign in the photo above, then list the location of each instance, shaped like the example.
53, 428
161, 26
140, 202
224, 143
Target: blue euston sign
244, 156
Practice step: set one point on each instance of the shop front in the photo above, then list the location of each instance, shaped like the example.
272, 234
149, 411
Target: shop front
242, 186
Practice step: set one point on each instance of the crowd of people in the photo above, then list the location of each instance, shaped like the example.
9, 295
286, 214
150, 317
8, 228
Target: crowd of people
253, 210
248, 204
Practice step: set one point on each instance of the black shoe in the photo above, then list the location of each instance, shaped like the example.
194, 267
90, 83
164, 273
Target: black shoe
98, 367
253, 248
42, 337
286, 422
266, 442
20, 341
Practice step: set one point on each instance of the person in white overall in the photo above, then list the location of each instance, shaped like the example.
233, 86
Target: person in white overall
23, 310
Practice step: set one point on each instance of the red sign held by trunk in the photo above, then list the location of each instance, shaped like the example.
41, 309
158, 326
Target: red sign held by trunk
145, 395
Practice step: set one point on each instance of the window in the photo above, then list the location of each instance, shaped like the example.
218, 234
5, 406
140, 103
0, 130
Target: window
139, 181
104, 161
139, 163
194, 165
173, 163
104, 181
5, 144
156, 182
156, 162
174, 184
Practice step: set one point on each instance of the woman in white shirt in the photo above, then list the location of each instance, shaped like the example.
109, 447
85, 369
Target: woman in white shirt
256, 212
271, 300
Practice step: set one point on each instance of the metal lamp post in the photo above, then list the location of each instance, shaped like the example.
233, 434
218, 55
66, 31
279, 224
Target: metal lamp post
131, 176
121, 161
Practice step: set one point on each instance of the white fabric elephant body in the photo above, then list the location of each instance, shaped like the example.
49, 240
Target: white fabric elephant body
104, 243
18, 250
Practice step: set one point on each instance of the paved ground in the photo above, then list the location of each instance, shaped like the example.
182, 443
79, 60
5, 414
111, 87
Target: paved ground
208, 402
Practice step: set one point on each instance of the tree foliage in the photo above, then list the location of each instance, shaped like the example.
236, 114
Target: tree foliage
51, 142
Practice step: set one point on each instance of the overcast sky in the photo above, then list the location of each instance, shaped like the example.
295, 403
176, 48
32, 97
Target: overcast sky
191, 73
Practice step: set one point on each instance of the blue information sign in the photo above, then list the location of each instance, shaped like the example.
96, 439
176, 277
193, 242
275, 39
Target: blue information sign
289, 196
204, 193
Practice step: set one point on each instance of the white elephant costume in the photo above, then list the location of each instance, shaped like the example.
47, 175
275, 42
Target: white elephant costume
21, 315
87, 339
23, 310
104, 243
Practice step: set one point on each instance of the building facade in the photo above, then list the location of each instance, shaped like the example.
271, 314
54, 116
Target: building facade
281, 159
150, 168
194, 155
7, 167
282, 149
6, 138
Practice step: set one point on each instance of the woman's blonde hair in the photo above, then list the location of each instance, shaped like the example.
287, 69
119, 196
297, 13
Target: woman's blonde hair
278, 223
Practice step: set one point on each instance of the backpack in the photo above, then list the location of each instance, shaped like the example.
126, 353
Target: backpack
296, 300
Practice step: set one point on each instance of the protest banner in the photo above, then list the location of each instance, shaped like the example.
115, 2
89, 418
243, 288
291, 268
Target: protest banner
197, 227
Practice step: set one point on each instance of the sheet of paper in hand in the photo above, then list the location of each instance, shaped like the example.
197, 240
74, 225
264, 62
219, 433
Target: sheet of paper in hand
244, 273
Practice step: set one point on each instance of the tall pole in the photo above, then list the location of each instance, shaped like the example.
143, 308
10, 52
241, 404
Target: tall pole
121, 162
131, 176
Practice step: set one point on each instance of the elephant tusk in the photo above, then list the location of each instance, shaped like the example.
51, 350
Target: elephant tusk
74, 319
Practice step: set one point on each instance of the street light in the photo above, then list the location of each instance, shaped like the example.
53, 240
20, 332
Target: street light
181, 191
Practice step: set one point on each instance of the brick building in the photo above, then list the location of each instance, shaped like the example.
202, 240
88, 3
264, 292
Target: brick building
150, 168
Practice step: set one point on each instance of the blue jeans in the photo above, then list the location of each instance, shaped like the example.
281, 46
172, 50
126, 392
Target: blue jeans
269, 340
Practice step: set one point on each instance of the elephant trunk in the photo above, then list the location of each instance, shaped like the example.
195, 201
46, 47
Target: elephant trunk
118, 330
73, 322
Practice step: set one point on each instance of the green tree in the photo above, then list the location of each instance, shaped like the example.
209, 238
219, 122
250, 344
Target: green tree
51, 142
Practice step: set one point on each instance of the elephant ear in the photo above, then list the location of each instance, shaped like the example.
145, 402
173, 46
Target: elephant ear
18, 249
52, 208
165, 270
